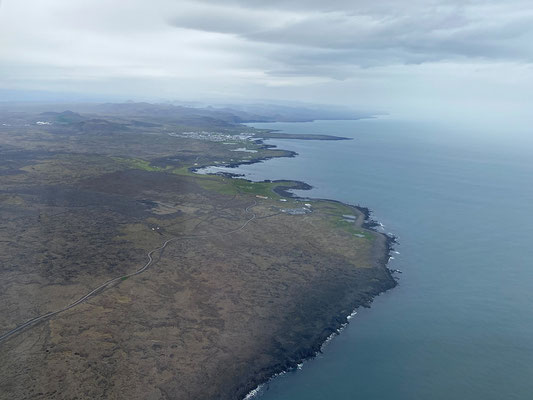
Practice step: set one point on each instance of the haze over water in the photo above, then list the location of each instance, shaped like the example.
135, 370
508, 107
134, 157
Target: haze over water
460, 324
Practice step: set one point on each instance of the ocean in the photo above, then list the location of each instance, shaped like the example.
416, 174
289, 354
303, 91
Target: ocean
460, 323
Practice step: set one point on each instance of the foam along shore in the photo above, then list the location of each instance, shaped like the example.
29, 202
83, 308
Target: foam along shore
358, 219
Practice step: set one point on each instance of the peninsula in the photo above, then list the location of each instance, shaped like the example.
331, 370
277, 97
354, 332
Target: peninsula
124, 274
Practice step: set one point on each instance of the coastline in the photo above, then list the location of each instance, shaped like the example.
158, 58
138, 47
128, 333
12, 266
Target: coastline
259, 301
381, 255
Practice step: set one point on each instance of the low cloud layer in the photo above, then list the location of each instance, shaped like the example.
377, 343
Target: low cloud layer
384, 54
353, 34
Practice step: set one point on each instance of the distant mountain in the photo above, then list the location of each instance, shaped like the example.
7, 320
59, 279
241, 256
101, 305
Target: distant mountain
283, 113
112, 117
65, 117
165, 113
226, 114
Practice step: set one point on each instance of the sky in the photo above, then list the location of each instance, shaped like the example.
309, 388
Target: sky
415, 57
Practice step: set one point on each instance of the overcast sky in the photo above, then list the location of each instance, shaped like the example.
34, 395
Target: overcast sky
398, 56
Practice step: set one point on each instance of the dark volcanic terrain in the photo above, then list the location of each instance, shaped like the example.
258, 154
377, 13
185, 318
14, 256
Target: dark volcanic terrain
251, 281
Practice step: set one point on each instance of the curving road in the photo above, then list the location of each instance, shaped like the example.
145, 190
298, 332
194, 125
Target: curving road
34, 321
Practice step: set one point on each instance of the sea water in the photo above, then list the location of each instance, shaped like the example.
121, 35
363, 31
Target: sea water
460, 323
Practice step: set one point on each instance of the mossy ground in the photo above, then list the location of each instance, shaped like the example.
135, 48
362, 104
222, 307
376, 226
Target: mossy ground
89, 205
219, 184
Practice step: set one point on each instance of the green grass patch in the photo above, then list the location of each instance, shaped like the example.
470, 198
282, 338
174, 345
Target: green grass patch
337, 209
138, 163
350, 227
184, 171
144, 165
232, 186
220, 184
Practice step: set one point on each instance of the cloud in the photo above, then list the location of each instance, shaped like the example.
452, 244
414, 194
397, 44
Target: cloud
387, 54
364, 35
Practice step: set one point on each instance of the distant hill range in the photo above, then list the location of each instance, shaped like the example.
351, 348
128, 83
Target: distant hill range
218, 115
284, 113
110, 118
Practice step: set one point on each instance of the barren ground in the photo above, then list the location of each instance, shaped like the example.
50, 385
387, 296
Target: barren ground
220, 310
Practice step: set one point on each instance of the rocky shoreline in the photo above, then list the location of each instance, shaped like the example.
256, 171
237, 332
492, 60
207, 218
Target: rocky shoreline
339, 320
290, 361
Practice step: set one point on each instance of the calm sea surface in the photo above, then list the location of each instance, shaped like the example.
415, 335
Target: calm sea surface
460, 324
